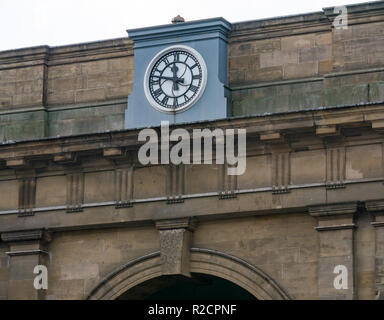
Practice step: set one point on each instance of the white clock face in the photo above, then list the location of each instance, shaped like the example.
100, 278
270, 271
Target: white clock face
175, 79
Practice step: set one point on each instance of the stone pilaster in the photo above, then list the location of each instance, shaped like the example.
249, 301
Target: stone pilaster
376, 208
175, 242
336, 233
26, 251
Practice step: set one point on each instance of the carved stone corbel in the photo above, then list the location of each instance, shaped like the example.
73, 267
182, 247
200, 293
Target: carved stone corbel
175, 242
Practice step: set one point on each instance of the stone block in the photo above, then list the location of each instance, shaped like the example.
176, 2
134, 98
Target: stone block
23, 290
94, 67
45, 196
376, 91
99, 187
323, 38
149, 182
323, 53
325, 67
300, 41
345, 95
278, 58
361, 166
90, 95
79, 271
64, 70
301, 70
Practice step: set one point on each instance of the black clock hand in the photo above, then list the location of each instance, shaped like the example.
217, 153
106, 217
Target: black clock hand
174, 69
163, 77
169, 78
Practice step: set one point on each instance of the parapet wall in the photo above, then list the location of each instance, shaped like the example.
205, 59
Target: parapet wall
64, 90
275, 65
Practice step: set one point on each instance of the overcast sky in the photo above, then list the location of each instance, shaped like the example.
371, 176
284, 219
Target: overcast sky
25, 23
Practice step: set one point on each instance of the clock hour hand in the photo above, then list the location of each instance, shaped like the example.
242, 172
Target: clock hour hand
178, 80
174, 71
163, 77
175, 81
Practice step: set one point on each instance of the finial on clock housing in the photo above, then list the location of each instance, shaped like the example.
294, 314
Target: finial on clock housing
178, 19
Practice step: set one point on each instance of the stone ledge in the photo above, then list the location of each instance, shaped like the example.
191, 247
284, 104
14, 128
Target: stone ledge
375, 206
26, 252
279, 26
183, 223
327, 130
336, 227
17, 163
25, 236
333, 209
377, 224
257, 124
81, 52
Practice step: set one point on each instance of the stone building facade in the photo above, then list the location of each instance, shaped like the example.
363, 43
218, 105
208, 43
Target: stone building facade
74, 197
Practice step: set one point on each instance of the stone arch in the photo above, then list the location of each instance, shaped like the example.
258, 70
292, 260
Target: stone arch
205, 261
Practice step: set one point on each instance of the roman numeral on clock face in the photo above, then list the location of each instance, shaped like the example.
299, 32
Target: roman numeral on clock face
194, 88
196, 77
157, 92
166, 60
165, 100
154, 82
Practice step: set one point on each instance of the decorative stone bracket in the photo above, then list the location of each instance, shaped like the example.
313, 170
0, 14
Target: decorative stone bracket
175, 243
336, 232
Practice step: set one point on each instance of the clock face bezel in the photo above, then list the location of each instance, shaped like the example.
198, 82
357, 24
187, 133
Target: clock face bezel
194, 98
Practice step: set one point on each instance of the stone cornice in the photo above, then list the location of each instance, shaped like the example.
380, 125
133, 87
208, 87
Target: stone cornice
360, 12
26, 235
375, 206
279, 26
377, 224
26, 252
258, 125
183, 223
336, 227
45, 55
333, 210
304, 23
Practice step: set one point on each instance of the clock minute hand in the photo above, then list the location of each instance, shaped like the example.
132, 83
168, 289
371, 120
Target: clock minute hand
163, 77
170, 78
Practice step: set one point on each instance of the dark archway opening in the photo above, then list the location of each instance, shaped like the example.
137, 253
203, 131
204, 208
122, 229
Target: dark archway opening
198, 287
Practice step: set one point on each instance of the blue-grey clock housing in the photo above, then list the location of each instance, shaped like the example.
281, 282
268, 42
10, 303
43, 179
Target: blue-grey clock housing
208, 37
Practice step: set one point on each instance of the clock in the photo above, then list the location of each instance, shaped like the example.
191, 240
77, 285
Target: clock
175, 79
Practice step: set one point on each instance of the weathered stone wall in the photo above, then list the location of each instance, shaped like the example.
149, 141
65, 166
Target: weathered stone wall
310, 199
64, 90
284, 246
302, 62
81, 259
303, 205
275, 65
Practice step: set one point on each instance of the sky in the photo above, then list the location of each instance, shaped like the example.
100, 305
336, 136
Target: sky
26, 23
